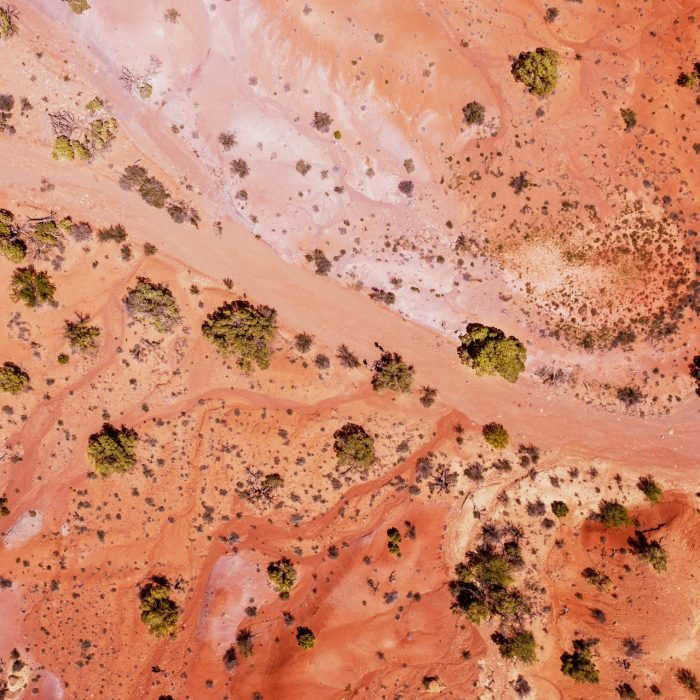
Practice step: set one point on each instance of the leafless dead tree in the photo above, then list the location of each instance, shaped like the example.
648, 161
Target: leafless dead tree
63, 123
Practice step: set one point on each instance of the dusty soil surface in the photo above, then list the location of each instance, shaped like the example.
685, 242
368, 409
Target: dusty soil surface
550, 220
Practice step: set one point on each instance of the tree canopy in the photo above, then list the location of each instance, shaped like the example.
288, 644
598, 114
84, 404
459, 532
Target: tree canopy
238, 328
487, 351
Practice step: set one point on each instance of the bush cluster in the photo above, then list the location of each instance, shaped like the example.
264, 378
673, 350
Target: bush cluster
306, 639
112, 450
487, 351
13, 378
11, 245
33, 287
391, 373
158, 611
238, 328
354, 446
579, 665
613, 514
496, 435
538, 70
81, 335
153, 305
283, 575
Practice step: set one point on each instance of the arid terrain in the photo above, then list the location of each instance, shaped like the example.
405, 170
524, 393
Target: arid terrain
336, 503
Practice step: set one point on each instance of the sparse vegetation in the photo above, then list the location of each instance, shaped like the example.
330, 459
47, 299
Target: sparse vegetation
33, 287
303, 342
283, 575
518, 646
152, 190
629, 395
484, 584
81, 335
306, 639
560, 509
4, 510
354, 447
695, 373
579, 665
158, 611
474, 113
347, 357
322, 122
689, 681
13, 378
650, 551
496, 435
238, 328
629, 116
538, 70
322, 263
115, 233
153, 305
112, 450
382, 295
393, 543
487, 351
391, 373
427, 396
648, 486
227, 139
595, 578
613, 514
8, 21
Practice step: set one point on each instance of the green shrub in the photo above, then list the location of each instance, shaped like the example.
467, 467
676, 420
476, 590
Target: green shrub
487, 351
391, 373
4, 510
519, 646
153, 305
32, 287
595, 578
13, 379
538, 70
579, 665
613, 514
158, 611
496, 435
46, 232
483, 585
8, 21
394, 541
112, 450
63, 359
649, 488
306, 639
650, 551
474, 113
14, 249
241, 329
354, 446
7, 219
81, 335
67, 149
283, 575
560, 509
688, 680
